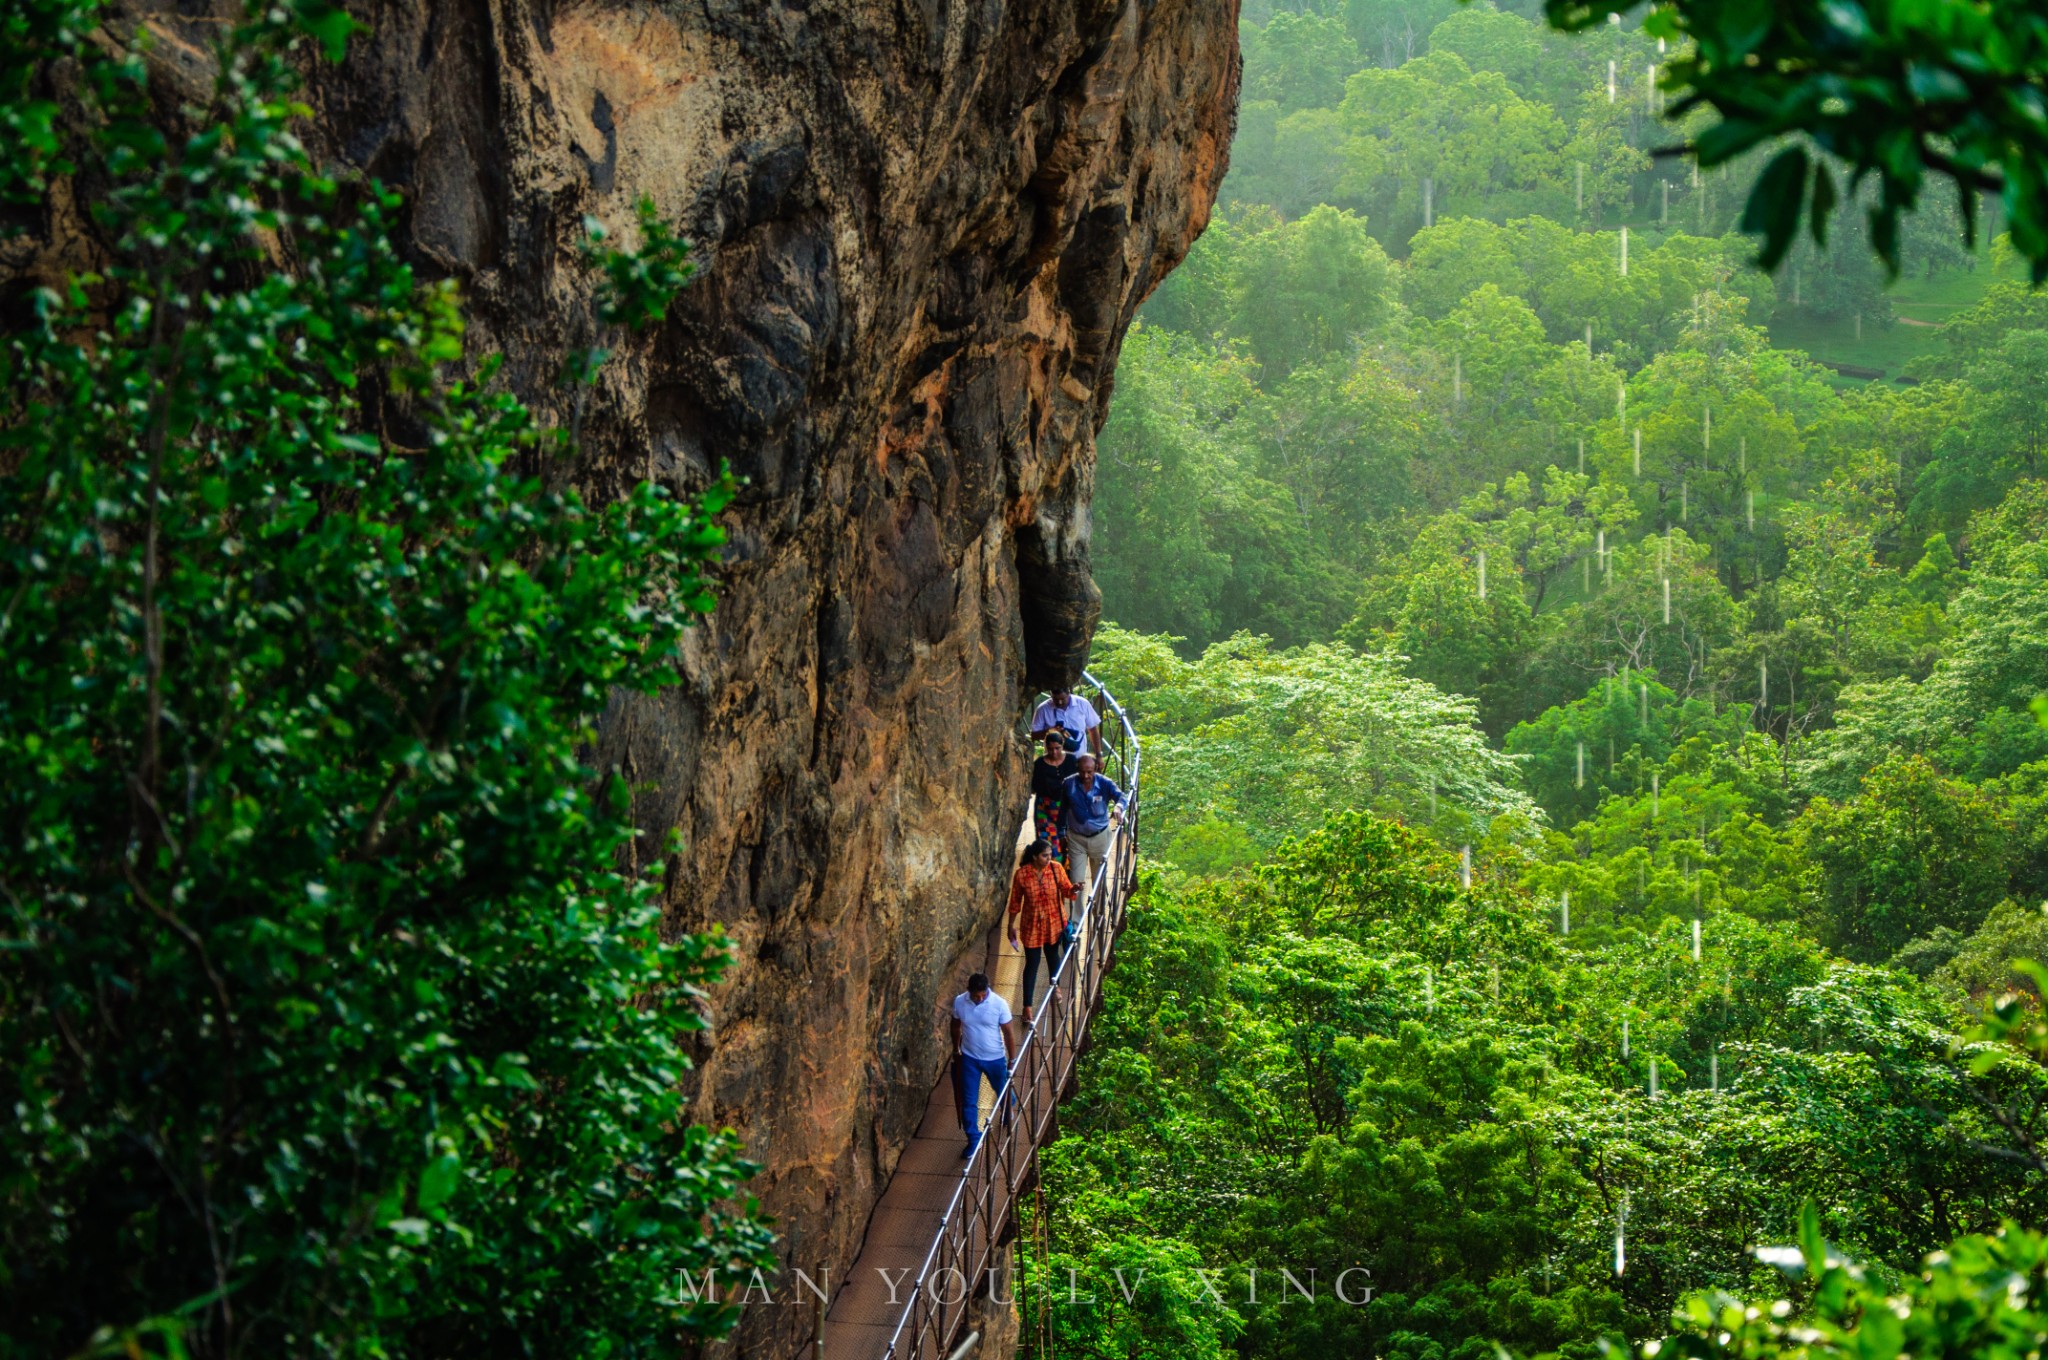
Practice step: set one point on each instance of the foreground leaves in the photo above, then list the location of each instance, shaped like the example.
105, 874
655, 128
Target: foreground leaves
333, 1026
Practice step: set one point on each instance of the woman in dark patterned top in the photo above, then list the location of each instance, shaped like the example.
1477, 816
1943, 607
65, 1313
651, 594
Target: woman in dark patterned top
1048, 791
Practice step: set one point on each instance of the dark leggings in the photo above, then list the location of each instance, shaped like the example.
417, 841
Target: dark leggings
1052, 953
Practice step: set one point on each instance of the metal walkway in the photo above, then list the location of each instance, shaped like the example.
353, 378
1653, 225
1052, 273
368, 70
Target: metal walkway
941, 1221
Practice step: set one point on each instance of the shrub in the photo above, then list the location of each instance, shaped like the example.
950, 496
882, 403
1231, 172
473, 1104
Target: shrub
331, 1028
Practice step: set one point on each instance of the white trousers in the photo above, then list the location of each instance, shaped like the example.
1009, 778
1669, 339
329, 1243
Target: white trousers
1083, 854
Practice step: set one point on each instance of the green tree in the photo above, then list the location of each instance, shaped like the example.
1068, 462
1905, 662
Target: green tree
332, 1027
1546, 533
1692, 836
1275, 741
1658, 606
1602, 159
1449, 260
1840, 279
1488, 40
1836, 617
1492, 345
1178, 474
1865, 614
1196, 299
1144, 1300
1575, 755
1305, 168
1912, 852
1437, 130
1962, 1303
1430, 604
1495, 1128
1576, 279
2025, 795
1391, 32
1340, 437
1310, 289
1987, 963
1299, 61
1912, 428
2012, 379
1449, 628
1973, 334
1973, 712
1711, 428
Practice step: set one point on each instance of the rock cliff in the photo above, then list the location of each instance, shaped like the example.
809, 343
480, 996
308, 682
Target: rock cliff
923, 226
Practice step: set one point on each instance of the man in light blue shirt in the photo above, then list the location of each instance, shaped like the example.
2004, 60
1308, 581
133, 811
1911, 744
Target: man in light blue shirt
1093, 804
1074, 716
987, 1042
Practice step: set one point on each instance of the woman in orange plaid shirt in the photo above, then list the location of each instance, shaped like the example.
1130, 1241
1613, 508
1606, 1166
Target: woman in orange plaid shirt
1039, 893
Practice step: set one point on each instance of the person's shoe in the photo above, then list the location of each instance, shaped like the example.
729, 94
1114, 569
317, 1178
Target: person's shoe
1027, 1015
966, 1152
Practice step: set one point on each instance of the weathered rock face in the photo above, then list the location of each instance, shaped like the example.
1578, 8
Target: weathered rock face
923, 228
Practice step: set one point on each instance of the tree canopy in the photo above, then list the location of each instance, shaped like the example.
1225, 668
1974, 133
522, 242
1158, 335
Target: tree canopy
1597, 751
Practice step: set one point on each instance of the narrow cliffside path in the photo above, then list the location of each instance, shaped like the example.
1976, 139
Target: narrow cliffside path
932, 1260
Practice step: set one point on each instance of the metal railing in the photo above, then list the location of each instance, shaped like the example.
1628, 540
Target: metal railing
957, 1265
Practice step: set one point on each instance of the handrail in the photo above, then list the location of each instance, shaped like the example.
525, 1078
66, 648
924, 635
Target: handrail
997, 1171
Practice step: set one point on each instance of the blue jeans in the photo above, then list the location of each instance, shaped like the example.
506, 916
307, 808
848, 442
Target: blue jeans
972, 1070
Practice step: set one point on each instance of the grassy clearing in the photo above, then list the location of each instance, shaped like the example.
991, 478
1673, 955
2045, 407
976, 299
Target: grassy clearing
1834, 340
1928, 301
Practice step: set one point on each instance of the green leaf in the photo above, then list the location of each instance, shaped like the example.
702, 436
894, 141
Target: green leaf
510, 1070
1823, 203
375, 852
1727, 139
329, 24
1773, 207
1881, 1335
1742, 24
439, 1179
1812, 1245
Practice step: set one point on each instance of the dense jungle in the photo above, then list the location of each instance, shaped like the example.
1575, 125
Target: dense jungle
1597, 780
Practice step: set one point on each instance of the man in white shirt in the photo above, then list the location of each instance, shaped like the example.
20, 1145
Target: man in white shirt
987, 1042
1073, 715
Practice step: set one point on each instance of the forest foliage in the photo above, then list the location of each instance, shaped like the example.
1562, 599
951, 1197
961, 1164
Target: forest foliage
334, 1022
1596, 757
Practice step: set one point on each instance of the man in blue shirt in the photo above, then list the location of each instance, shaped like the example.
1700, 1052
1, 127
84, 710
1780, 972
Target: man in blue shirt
1094, 804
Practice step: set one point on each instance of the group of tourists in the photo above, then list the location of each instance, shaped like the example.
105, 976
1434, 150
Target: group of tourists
1075, 807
